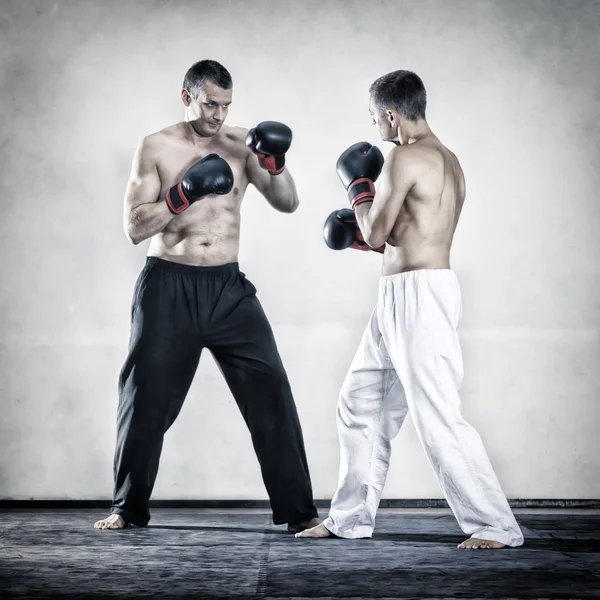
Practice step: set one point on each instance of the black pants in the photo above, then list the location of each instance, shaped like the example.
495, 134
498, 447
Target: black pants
177, 311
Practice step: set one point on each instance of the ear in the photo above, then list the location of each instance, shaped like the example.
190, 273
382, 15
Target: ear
391, 118
186, 97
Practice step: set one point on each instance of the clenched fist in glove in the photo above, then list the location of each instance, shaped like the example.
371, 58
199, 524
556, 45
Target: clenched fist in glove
270, 141
341, 231
359, 167
211, 175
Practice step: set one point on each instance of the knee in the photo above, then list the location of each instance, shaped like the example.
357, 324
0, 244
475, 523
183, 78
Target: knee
348, 396
349, 413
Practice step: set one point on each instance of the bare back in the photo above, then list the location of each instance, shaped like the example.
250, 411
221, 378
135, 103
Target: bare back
422, 235
207, 233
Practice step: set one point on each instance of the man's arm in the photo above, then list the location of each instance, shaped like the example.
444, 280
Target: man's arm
143, 216
376, 219
278, 190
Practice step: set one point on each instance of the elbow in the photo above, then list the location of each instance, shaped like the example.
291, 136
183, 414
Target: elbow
375, 238
293, 203
135, 231
133, 241
133, 237
284, 205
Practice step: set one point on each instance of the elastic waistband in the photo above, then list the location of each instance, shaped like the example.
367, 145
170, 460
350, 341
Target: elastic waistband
418, 273
169, 265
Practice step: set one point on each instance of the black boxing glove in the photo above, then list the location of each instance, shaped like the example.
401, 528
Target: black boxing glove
341, 231
270, 141
359, 167
211, 175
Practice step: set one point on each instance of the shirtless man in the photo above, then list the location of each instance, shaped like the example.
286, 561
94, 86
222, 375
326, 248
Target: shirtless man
409, 357
185, 192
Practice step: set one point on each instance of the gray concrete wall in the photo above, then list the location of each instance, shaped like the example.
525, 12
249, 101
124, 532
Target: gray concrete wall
513, 89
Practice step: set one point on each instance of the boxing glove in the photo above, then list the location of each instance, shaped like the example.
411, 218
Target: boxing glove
341, 231
270, 141
359, 167
211, 175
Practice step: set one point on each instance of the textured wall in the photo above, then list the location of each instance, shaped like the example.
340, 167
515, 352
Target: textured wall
513, 90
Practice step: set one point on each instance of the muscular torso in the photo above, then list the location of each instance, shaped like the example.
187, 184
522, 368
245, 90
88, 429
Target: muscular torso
422, 235
207, 233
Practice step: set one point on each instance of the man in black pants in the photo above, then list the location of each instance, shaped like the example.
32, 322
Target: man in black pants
185, 191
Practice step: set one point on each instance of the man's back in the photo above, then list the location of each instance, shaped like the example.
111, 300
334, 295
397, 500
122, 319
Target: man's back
422, 234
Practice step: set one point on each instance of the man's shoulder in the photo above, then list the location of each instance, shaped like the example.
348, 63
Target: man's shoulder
233, 141
165, 135
235, 133
417, 156
405, 157
153, 144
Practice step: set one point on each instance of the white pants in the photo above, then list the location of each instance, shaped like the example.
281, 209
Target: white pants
409, 358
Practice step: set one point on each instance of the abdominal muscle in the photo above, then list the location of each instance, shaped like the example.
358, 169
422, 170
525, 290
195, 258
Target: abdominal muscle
208, 236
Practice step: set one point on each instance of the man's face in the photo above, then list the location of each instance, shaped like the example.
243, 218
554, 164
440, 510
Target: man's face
208, 110
384, 121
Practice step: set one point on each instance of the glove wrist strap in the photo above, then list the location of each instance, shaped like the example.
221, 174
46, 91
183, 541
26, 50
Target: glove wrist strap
273, 164
176, 199
361, 190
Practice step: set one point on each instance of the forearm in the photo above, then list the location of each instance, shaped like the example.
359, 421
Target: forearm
147, 220
282, 193
362, 212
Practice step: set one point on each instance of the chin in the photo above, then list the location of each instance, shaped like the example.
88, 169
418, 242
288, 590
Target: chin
385, 137
205, 129
210, 131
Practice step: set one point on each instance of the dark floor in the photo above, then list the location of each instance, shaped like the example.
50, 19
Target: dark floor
240, 554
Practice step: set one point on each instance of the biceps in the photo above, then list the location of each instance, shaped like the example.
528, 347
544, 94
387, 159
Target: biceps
383, 216
142, 189
390, 198
386, 207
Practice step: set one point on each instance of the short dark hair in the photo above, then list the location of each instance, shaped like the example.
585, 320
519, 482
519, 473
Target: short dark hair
206, 70
403, 91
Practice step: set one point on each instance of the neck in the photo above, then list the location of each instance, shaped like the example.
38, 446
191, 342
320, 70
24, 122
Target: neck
413, 131
194, 135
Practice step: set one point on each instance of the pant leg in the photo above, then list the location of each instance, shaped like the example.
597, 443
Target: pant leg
420, 314
158, 371
244, 347
370, 412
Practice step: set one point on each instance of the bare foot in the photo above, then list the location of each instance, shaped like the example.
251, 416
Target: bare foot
476, 543
302, 525
319, 531
111, 522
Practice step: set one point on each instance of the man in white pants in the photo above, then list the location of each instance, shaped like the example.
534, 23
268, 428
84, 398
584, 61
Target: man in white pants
409, 358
